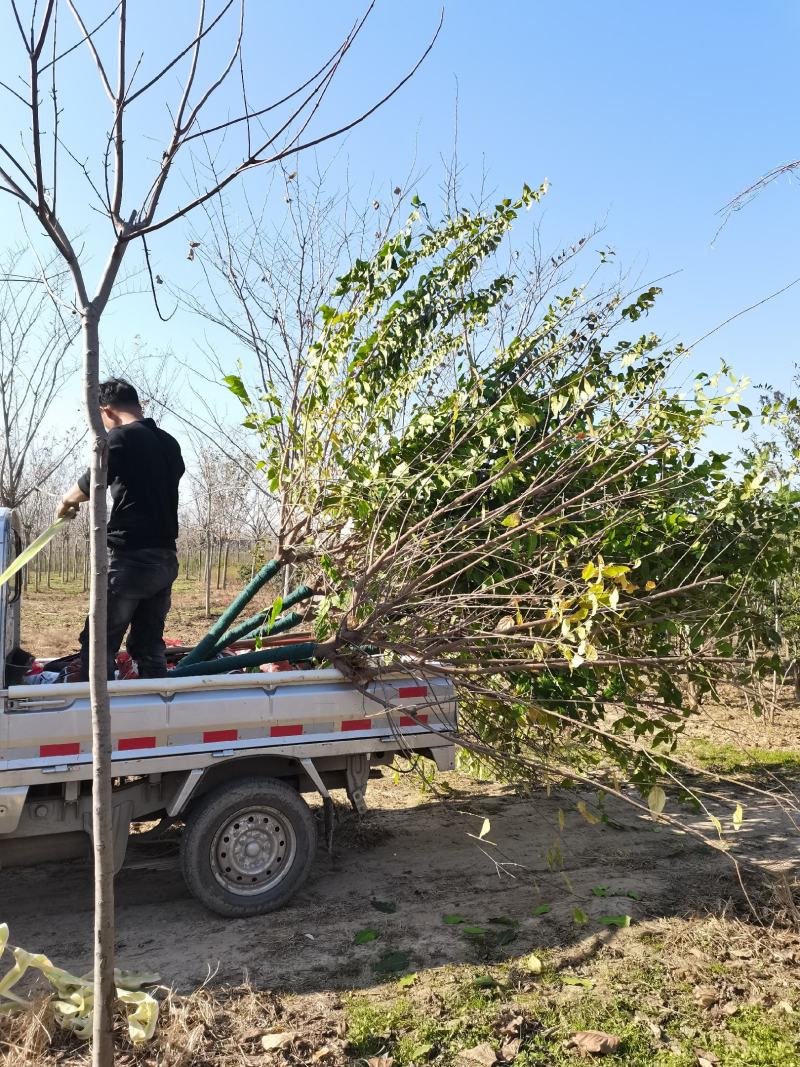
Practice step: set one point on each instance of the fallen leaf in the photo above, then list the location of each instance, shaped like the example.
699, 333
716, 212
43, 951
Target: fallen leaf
705, 995
475, 931
615, 920
730, 1008
503, 920
407, 981
705, 1059
387, 906
454, 920
392, 962
482, 1054
579, 916
381, 1061
322, 1054
484, 981
509, 1050
270, 1042
587, 983
533, 964
594, 1043
541, 910
485, 828
363, 937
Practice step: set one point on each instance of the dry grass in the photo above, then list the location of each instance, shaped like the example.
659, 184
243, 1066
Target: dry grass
53, 618
666, 986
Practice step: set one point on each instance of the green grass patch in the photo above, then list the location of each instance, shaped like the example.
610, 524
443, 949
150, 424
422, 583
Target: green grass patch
459, 1008
729, 759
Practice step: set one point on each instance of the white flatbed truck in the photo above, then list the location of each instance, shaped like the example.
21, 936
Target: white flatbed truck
228, 755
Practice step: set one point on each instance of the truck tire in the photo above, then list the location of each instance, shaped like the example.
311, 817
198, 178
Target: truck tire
248, 846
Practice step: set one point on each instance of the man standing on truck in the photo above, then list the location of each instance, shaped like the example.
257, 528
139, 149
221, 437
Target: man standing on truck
144, 468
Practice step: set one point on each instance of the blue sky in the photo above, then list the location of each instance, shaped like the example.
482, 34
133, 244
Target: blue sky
645, 118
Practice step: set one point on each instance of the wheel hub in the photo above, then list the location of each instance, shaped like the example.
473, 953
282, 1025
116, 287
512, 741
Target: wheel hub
252, 850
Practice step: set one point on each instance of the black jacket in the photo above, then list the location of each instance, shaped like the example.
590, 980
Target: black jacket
144, 468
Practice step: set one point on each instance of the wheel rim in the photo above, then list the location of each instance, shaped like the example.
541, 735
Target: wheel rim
253, 850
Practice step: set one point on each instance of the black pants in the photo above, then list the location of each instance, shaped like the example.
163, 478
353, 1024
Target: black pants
139, 587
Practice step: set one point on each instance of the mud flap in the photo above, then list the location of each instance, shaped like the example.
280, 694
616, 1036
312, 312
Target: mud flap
121, 825
357, 772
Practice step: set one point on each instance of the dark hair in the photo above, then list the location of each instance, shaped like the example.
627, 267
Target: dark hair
117, 393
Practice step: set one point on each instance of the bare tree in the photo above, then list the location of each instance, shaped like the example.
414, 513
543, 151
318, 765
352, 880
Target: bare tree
36, 361
33, 152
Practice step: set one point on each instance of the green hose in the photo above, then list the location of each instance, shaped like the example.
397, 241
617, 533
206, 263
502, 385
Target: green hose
255, 622
209, 642
292, 653
246, 629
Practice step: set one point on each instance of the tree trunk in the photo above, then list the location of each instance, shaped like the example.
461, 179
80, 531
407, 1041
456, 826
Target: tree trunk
208, 572
102, 828
225, 565
186, 564
86, 566
219, 563
50, 565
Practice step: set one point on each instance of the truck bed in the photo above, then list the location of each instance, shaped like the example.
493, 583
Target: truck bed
167, 725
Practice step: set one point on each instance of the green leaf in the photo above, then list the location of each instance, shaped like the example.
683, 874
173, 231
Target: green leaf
579, 916
514, 519
475, 931
615, 920
392, 962
484, 981
363, 937
454, 920
408, 980
503, 920
601, 890
542, 909
387, 906
237, 387
586, 983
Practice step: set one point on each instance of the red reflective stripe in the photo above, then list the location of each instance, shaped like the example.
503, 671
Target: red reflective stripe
72, 748
357, 724
285, 731
127, 743
406, 720
220, 735
412, 691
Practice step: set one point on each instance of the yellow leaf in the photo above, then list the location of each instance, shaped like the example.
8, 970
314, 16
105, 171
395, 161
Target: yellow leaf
590, 817
514, 519
533, 964
485, 829
649, 585
738, 817
588, 572
656, 799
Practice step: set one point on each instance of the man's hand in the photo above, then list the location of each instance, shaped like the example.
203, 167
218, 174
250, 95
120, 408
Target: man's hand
70, 502
66, 509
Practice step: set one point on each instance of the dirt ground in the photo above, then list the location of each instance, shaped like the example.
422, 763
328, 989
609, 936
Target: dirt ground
53, 618
416, 852
633, 930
